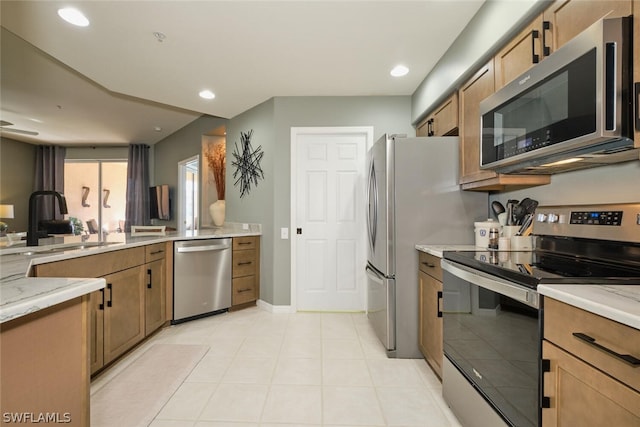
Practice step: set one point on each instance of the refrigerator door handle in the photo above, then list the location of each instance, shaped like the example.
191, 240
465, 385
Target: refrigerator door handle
373, 206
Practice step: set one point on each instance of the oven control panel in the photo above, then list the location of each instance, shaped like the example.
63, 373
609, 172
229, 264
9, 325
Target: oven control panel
596, 217
620, 222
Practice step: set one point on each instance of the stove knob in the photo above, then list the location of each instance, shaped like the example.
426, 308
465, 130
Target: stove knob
541, 217
552, 218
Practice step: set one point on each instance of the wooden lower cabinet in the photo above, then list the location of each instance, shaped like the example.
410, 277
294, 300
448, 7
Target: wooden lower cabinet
581, 395
96, 330
430, 313
154, 300
585, 384
131, 307
245, 282
44, 366
123, 311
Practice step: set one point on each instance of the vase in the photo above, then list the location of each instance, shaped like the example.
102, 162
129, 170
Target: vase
216, 210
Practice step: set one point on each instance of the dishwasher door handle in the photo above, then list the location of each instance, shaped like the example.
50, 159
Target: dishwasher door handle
204, 248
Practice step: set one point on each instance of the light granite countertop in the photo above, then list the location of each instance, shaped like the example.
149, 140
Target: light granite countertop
437, 250
21, 294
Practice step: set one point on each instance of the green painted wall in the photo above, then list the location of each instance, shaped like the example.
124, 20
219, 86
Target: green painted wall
17, 169
269, 203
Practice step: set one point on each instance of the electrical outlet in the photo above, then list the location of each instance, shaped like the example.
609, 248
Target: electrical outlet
284, 233
245, 226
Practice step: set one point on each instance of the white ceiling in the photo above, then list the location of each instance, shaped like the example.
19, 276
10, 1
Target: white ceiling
113, 82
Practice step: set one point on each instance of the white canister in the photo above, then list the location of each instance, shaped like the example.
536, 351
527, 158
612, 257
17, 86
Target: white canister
482, 232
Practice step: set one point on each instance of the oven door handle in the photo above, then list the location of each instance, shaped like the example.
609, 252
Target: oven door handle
519, 293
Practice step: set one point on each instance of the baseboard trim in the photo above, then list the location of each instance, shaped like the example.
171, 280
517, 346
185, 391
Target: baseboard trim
274, 308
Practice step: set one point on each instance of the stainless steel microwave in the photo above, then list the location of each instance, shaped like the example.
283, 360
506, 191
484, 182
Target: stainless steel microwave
572, 110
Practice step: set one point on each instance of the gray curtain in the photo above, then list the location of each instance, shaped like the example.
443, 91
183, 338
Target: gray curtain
49, 176
137, 211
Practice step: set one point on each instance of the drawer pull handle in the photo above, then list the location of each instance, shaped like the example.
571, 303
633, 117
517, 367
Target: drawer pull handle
245, 243
244, 263
428, 265
627, 358
156, 252
244, 290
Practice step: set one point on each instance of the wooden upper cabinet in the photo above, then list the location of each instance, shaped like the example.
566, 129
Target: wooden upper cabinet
442, 121
568, 18
477, 88
521, 53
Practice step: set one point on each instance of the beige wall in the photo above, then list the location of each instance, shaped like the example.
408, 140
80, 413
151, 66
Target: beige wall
17, 165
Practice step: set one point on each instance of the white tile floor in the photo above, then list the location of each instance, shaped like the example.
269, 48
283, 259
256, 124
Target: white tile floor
303, 369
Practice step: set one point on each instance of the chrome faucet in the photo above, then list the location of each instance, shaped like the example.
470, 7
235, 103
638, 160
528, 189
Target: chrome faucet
32, 232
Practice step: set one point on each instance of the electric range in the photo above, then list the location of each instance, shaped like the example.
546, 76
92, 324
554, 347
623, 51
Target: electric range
491, 310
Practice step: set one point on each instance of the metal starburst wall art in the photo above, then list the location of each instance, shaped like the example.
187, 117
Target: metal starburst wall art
247, 163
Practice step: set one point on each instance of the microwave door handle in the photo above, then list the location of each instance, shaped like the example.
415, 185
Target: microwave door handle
611, 76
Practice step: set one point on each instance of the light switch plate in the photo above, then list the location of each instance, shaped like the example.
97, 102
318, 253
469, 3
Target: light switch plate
284, 233
245, 226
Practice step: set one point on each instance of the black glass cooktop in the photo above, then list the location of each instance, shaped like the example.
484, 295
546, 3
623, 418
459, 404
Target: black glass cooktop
539, 267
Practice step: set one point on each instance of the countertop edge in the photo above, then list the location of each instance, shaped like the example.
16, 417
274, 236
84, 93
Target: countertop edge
55, 291
618, 303
437, 250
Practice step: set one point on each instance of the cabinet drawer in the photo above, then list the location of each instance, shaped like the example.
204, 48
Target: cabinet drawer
244, 290
155, 252
244, 263
93, 265
244, 243
430, 264
562, 321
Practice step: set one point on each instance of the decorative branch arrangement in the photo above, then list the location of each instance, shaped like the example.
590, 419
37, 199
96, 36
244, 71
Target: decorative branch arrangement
216, 155
247, 163
105, 198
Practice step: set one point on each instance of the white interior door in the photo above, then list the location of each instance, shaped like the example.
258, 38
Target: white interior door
329, 232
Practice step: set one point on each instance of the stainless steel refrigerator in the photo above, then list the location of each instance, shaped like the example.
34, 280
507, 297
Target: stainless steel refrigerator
413, 198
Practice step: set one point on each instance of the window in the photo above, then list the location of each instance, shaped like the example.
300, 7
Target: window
96, 195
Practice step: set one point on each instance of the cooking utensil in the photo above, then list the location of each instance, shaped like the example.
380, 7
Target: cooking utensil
510, 204
497, 208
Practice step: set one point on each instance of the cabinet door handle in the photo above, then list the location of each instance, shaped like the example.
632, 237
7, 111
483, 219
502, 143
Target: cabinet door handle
438, 304
110, 302
535, 58
627, 358
546, 26
150, 280
545, 367
101, 305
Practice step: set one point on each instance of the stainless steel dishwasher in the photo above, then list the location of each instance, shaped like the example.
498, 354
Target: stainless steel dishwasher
201, 278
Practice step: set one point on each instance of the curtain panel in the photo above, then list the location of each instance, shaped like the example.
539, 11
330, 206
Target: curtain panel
137, 205
49, 176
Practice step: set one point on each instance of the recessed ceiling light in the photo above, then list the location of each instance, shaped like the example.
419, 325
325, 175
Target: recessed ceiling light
73, 16
207, 94
399, 71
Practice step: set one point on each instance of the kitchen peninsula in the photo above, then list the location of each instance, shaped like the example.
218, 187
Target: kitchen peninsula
48, 326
